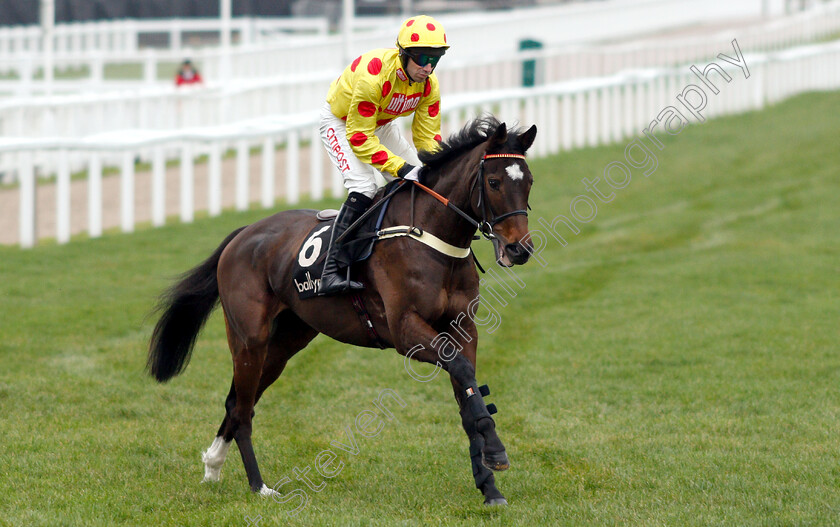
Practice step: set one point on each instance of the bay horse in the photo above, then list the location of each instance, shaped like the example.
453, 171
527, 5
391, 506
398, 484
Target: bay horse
413, 292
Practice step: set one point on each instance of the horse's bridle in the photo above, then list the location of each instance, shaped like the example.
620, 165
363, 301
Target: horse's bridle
486, 226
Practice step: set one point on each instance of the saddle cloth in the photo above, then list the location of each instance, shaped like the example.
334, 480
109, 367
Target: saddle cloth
309, 264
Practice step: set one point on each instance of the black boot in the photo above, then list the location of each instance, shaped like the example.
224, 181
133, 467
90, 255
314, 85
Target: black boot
334, 279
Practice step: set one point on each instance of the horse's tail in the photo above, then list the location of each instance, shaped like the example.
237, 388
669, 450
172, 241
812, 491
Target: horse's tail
186, 306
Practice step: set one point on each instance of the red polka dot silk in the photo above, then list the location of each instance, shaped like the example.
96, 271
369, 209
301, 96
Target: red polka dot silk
379, 158
367, 109
358, 139
372, 92
374, 66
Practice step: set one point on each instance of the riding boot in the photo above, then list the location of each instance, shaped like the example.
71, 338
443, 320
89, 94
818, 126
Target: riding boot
335, 279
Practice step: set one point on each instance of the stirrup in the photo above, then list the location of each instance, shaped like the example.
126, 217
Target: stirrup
333, 283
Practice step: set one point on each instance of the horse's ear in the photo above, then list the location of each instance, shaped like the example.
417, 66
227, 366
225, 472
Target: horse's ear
498, 138
527, 138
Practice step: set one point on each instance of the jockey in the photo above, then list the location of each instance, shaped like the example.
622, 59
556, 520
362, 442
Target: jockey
358, 131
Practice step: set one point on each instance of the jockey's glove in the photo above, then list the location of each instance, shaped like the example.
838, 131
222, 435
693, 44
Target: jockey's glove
411, 172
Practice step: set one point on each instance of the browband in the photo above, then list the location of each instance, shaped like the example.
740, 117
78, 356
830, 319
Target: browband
492, 156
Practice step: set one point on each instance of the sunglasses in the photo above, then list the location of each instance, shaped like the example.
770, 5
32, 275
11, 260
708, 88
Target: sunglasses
422, 59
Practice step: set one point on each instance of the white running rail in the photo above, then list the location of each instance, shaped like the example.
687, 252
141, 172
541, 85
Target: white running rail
472, 35
163, 107
125, 36
571, 114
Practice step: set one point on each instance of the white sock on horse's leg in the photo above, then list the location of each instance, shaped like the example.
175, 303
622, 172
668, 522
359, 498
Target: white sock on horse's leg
268, 491
214, 458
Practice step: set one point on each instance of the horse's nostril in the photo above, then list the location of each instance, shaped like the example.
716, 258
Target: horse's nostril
517, 253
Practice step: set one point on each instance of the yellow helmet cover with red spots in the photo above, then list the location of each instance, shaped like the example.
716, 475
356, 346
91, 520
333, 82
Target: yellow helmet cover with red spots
374, 90
422, 32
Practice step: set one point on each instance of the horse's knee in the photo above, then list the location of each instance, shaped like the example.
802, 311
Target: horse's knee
462, 370
240, 418
237, 422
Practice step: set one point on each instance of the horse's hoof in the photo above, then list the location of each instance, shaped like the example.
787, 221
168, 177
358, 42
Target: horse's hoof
212, 474
495, 501
496, 462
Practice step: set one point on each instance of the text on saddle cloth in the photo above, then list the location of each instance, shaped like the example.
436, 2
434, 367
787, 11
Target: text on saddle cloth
309, 264
358, 246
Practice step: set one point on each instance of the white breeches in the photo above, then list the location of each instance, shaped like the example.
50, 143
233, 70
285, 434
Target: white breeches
361, 177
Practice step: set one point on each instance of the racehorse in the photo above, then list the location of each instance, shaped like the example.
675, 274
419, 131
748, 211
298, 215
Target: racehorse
414, 292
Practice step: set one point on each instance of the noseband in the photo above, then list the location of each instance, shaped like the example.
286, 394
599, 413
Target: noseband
486, 225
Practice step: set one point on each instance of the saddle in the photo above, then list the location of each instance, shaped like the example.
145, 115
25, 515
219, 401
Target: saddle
356, 247
359, 240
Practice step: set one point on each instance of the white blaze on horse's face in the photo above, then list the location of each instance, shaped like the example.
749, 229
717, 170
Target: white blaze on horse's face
515, 172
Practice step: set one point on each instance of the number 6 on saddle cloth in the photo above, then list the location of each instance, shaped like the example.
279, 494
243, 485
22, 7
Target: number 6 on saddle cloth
358, 242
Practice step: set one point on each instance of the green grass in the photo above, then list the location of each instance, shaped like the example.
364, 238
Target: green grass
675, 364
828, 38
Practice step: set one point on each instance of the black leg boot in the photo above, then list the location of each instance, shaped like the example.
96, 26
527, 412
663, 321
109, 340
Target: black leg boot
485, 481
334, 279
476, 416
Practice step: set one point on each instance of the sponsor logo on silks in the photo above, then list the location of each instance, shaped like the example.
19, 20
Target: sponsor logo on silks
307, 285
401, 74
335, 146
401, 103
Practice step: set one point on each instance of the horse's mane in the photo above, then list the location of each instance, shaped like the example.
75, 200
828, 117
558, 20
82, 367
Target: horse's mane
470, 136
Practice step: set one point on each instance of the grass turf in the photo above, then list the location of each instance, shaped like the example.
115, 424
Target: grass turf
674, 364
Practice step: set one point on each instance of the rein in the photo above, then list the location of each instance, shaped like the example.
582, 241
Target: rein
372, 209
485, 226
488, 218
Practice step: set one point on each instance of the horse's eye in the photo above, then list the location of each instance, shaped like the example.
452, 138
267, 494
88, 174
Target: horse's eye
494, 184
